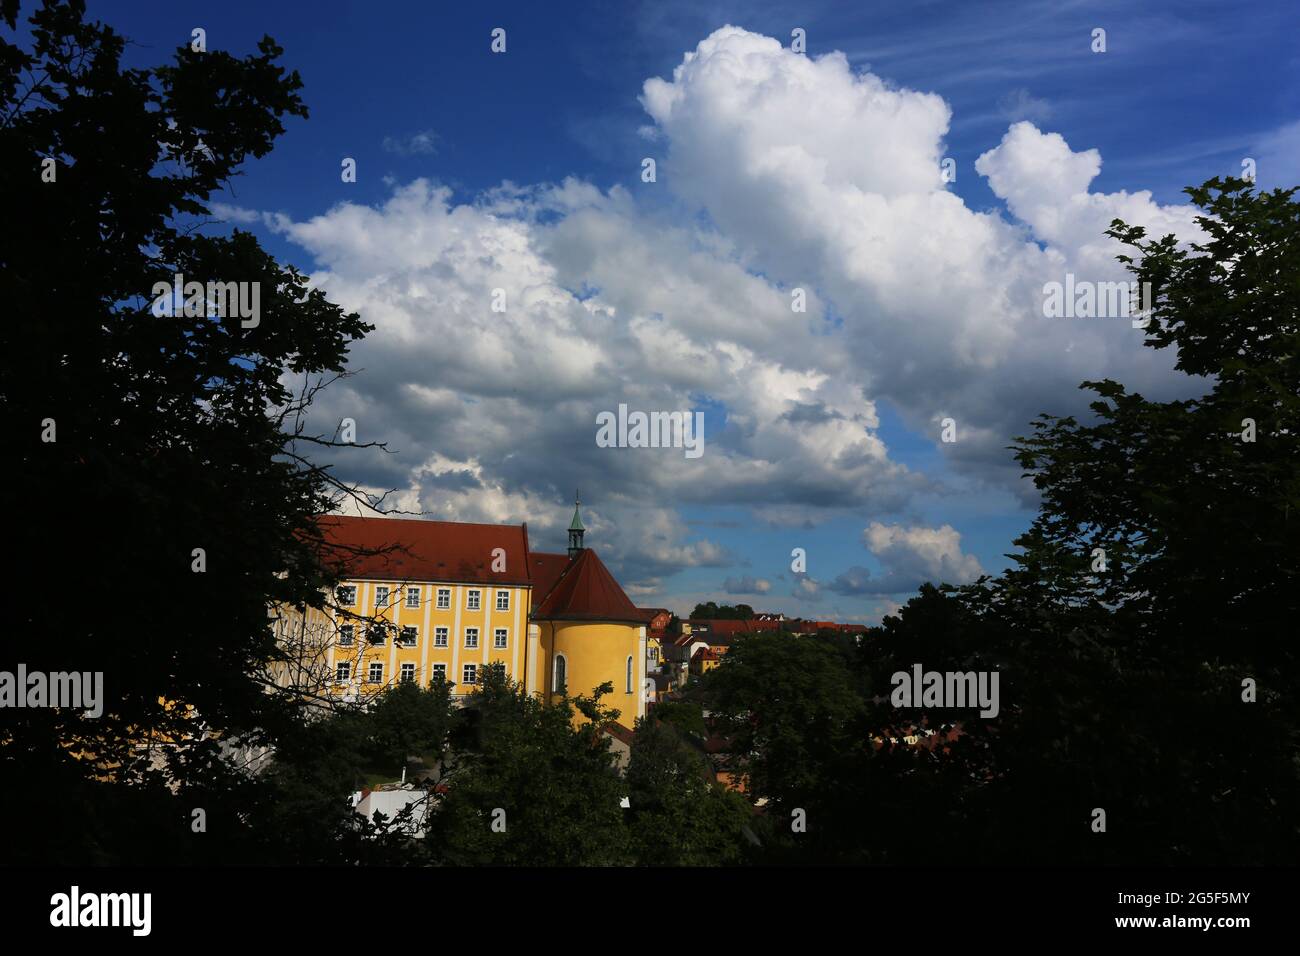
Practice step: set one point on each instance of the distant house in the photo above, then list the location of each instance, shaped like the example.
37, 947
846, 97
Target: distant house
704, 660
657, 620
677, 658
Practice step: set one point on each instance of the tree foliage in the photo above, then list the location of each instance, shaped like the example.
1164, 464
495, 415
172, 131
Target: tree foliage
175, 504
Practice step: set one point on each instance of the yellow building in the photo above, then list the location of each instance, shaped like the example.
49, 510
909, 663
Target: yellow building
704, 660
425, 600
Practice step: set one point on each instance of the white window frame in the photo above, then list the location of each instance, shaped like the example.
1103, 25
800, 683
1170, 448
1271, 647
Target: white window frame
466, 671
350, 589
473, 600
370, 673
415, 636
503, 600
444, 599
412, 597
440, 670
500, 638
558, 687
347, 635
407, 668
383, 636
468, 632
441, 636
387, 595
631, 674
343, 671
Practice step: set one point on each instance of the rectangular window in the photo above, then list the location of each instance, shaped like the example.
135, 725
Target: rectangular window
472, 600
471, 637
343, 670
376, 636
499, 638
444, 599
412, 597
381, 596
408, 672
408, 637
498, 668
346, 634
440, 636
376, 673
470, 674
440, 672
346, 595
503, 600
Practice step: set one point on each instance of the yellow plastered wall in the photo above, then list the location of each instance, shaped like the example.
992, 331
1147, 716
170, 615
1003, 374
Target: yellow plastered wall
594, 653
449, 626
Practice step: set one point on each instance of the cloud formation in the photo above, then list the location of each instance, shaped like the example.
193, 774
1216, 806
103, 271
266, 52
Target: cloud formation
911, 556
777, 171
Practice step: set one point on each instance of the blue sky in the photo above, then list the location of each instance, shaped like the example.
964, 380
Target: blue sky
1183, 92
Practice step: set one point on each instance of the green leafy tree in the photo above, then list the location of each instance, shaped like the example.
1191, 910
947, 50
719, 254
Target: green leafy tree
1127, 675
409, 721
678, 815
528, 787
685, 715
797, 727
723, 612
167, 447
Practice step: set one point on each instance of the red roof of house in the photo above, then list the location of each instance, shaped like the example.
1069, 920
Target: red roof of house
726, 627
401, 549
545, 570
587, 591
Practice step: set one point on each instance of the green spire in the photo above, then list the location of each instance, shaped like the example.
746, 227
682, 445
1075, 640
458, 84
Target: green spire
576, 530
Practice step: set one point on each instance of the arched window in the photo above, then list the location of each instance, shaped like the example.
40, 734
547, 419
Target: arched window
629, 675
560, 679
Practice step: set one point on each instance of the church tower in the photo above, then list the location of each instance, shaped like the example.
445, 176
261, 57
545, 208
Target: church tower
576, 529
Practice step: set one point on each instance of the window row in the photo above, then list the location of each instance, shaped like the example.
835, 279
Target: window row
346, 596
375, 672
409, 635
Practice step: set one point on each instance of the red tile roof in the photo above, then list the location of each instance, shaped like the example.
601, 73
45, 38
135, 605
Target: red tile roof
587, 592
727, 627
399, 549
545, 569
